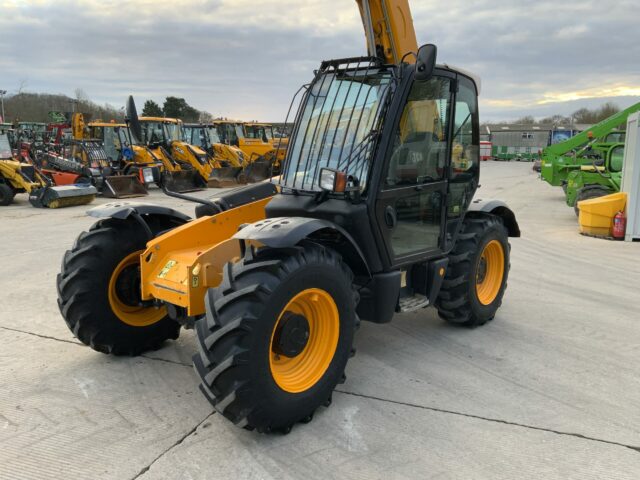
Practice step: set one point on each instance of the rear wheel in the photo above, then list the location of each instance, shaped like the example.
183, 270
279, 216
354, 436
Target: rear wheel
277, 336
589, 193
476, 278
99, 290
6, 195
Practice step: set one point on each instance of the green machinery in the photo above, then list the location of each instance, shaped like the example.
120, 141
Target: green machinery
602, 177
559, 160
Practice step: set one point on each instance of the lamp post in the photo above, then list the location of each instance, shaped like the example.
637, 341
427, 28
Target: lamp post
2, 94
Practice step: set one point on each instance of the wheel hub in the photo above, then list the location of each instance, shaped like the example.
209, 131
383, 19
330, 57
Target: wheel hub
292, 335
482, 270
128, 286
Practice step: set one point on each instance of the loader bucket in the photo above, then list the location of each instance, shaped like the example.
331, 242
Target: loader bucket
64, 196
182, 181
257, 171
224, 177
123, 186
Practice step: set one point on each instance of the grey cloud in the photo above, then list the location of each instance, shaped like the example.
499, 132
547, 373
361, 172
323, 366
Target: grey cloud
521, 49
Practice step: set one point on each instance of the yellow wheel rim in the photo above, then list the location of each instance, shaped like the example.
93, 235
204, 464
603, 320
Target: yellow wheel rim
490, 272
303, 371
133, 315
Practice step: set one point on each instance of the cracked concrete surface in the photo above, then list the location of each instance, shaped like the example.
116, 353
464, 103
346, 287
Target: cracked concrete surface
549, 389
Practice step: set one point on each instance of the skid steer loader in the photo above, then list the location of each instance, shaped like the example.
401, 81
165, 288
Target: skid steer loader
228, 160
371, 216
18, 177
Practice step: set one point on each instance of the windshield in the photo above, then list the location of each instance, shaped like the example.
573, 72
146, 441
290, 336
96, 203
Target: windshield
111, 143
173, 131
213, 135
269, 133
152, 132
5, 147
255, 131
337, 122
239, 131
616, 137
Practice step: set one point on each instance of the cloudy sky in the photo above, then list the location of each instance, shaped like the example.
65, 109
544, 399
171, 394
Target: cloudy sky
246, 58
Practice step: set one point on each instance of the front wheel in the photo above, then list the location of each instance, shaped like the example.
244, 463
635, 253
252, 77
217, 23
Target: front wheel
476, 278
99, 291
277, 336
6, 194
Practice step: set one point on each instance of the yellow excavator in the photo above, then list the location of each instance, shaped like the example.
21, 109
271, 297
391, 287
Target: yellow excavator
373, 215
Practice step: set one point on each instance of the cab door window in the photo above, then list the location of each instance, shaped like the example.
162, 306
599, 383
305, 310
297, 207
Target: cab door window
465, 150
411, 203
420, 148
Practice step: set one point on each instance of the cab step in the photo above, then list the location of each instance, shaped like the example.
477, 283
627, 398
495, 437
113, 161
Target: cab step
413, 303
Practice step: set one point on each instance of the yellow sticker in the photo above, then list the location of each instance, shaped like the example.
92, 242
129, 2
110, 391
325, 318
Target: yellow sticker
170, 264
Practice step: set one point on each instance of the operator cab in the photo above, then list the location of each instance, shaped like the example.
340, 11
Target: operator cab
406, 151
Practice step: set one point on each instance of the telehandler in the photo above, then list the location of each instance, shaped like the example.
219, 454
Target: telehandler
558, 160
18, 177
602, 177
372, 215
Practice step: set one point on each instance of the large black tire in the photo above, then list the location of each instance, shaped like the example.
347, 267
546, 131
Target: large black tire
84, 283
458, 302
6, 195
235, 338
587, 193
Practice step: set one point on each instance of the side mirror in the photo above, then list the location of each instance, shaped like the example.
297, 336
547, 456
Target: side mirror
426, 62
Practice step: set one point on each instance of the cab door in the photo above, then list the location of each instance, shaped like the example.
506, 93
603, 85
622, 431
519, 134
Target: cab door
410, 205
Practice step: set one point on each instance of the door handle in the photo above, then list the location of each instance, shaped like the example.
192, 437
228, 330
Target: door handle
390, 217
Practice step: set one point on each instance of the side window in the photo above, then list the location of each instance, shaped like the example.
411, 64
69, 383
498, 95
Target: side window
465, 149
617, 159
420, 144
465, 153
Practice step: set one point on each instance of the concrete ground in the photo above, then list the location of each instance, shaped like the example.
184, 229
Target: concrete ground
549, 389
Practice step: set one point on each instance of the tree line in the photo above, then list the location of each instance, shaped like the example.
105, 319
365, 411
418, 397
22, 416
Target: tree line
38, 107
584, 115
175, 107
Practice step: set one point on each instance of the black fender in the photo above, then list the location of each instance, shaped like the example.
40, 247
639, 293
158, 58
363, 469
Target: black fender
499, 208
138, 212
286, 232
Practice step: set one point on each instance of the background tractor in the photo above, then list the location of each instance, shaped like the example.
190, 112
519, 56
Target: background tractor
373, 215
560, 159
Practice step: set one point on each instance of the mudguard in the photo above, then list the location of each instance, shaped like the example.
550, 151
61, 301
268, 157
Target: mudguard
499, 208
286, 232
124, 210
